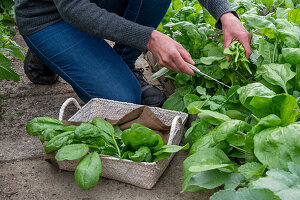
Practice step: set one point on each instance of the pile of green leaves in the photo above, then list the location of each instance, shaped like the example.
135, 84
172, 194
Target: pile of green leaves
234, 147
7, 45
88, 140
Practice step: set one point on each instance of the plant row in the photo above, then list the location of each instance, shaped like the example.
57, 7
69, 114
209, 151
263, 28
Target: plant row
246, 138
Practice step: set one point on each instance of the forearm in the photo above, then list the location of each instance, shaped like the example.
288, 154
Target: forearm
96, 21
217, 8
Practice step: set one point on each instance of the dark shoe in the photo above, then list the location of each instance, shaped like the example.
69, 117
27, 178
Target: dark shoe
151, 95
38, 72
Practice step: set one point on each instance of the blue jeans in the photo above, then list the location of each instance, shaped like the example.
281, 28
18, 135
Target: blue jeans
89, 64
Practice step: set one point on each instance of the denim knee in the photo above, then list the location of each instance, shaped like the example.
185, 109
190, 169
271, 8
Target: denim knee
130, 94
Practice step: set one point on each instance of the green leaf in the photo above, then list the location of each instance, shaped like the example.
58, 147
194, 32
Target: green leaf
167, 150
6, 72
103, 125
174, 102
250, 169
276, 74
268, 3
213, 117
229, 128
235, 114
206, 142
72, 152
48, 134
289, 3
88, 171
294, 16
139, 135
37, 125
190, 98
142, 154
198, 181
244, 194
264, 123
208, 18
291, 55
276, 147
237, 140
262, 24
173, 148
254, 89
204, 167
285, 107
196, 131
86, 130
14, 50
159, 74
117, 131
195, 107
284, 184
201, 91
59, 141
266, 50
209, 60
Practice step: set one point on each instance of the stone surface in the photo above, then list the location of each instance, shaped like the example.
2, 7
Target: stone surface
23, 172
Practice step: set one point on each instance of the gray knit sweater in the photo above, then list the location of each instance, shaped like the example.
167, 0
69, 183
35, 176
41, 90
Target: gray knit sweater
34, 15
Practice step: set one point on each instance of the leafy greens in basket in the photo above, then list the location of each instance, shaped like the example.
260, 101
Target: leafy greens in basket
88, 140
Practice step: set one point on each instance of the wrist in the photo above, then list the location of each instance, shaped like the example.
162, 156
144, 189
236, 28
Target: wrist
153, 38
228, 18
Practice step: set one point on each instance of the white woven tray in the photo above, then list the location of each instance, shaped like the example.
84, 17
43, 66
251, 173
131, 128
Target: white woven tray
141, 174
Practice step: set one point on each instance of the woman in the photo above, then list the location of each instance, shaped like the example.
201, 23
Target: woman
68, 36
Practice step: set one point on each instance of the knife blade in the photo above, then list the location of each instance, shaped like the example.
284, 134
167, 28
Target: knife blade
195, 69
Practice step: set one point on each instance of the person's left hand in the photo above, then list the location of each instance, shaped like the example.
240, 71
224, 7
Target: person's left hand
233, 30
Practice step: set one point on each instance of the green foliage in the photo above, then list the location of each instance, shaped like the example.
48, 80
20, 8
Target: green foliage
59, 141
7, 45
278, 184
72, 152
138, 143
244, 194
285, 184
139, 135
88, 171
37, 125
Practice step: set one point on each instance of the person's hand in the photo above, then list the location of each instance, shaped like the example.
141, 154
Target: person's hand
233, 30
169, 53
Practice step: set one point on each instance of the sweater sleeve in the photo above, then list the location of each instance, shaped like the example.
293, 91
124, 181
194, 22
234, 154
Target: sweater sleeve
96, 21
217, 8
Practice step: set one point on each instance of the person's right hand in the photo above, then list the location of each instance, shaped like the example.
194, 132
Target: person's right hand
169, 53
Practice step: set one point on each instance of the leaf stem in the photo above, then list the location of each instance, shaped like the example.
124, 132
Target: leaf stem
116, 145
92, 146
240, 149
274, 52
241, 133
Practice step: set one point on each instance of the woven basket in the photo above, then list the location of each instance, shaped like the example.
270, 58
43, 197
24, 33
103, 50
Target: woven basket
141, 174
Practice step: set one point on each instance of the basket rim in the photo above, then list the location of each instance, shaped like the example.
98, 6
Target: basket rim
182, 114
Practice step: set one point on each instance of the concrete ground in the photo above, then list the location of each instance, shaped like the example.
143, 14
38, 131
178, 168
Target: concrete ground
25, 175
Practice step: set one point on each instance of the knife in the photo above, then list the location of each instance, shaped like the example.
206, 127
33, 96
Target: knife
195, 69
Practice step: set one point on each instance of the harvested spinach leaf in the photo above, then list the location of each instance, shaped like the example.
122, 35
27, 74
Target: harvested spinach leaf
139, 135
37, 125
88, 171
59, 141
72, 152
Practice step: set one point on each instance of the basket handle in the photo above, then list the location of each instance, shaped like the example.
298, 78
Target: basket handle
176, 121
65, 104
